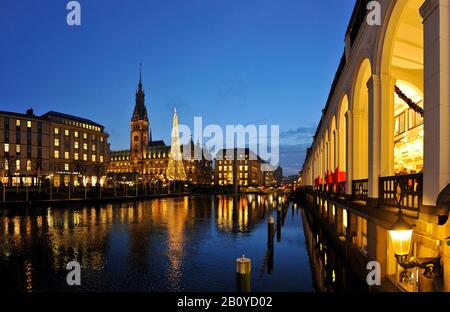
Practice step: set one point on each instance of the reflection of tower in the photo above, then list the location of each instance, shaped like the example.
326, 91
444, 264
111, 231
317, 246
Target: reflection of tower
175, 168
139, 126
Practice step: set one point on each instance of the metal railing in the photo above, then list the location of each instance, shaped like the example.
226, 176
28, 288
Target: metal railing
403, 191
360, 189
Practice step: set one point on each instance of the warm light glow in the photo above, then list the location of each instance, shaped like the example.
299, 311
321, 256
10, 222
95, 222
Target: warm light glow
401, 241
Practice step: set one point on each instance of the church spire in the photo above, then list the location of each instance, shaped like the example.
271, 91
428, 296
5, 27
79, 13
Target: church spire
140, 78
140, 111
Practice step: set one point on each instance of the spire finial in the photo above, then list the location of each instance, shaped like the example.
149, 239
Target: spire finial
140, 76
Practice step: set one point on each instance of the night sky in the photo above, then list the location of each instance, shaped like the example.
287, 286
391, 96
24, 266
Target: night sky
228, 61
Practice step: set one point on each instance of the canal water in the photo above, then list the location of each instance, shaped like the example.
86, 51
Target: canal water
170, 244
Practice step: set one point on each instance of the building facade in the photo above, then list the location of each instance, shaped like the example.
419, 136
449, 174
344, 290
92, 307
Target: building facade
57, 148
383, 140
238, 166
146, 161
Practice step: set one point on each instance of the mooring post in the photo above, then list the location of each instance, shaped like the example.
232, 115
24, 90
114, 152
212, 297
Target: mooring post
279, 217
243, 274
270, 231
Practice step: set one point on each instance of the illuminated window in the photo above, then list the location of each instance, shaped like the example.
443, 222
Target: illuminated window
18, 149
93, 147
28, 165
17, 122
6, 165
56, 142
85, 146
56, 130
66, 155
101, 159
66, 167
101, 139
17, 164
85, 157
85, 136
75, 156
76, 145
246, 168
75, 134
29, 124
66, 132
6, 147
56, 154
94, 158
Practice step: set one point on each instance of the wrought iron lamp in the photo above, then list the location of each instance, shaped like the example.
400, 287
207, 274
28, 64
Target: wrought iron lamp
401, 233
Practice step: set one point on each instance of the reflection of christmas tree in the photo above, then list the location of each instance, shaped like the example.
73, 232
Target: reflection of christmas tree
175, 168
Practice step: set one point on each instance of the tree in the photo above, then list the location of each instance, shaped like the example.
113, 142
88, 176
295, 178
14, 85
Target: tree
36, 169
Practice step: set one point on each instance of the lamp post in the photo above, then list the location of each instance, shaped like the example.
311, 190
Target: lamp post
401, 233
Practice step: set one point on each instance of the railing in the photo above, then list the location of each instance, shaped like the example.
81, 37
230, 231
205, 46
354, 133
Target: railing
360, 189
341, 189
404, 191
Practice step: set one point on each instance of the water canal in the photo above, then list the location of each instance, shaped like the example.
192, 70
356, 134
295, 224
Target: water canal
171, 244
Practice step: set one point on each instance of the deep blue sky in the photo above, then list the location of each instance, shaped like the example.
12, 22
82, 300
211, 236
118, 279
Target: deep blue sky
229, 61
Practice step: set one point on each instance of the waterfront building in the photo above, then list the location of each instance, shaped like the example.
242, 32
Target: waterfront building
238, 166
54, 147
273, 177
383, 140
147, 160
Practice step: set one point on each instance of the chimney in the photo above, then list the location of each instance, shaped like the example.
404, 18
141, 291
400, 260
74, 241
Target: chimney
30, 112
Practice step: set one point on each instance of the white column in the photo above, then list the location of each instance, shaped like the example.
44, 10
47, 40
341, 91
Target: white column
381, 130
435, 14
349, 153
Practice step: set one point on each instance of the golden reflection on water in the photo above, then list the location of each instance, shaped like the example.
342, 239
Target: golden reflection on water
83, 234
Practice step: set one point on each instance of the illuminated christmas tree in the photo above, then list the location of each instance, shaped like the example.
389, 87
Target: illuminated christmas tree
175, 168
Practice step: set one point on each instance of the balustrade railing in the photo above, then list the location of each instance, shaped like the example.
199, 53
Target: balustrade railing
360, 189
403, 191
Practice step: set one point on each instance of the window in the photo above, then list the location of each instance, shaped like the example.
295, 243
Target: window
76, 145
85, 136
66, 167
29, 124
66, 132
17, 122
17, 164
101, 139
56, 143
93, 147
6, 147
66, 155
93, 137
6, 165
56, 154
85, 157
75, 156
101, 159
75, 134
28, 165
136, 138
56, 130
18, 149
85, 146
246, 168
94, 158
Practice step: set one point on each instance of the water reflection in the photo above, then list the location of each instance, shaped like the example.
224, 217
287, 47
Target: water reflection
182, 243
330, 273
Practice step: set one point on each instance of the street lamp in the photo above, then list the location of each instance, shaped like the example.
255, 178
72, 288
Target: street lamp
401, 234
